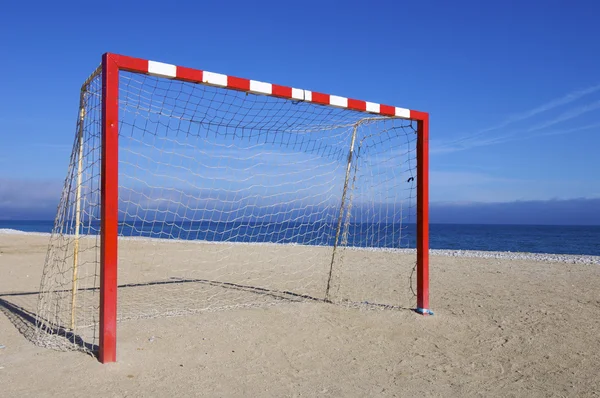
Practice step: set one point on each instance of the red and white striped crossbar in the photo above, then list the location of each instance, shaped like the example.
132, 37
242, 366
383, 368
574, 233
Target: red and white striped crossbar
257, 87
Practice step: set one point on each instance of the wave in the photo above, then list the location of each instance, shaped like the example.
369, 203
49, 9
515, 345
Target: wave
9, 231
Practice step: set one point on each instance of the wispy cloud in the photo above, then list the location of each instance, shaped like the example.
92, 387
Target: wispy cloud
570, 114
517, 135
484, 137
567, 99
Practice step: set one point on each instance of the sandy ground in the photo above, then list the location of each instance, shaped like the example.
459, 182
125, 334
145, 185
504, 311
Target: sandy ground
501, 328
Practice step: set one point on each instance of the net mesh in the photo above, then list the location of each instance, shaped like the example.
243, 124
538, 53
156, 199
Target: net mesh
229, 199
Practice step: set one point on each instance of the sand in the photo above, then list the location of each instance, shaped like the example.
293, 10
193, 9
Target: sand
501, 327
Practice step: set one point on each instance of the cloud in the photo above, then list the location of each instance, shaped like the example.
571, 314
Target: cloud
517, 135
567, 99
29, 199
481, 138
570, 114
581, 211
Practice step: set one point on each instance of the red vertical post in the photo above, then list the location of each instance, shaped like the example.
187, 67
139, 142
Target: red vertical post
423, 214
109, 210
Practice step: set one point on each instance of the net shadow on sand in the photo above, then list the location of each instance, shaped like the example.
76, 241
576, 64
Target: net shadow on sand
262, 297
14, 307
20, 307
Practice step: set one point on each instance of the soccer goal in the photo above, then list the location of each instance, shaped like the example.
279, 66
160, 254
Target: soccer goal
205, 192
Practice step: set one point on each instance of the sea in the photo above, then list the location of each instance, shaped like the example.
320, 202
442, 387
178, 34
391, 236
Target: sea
579, 240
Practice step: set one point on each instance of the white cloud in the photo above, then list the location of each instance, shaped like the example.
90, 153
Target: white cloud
483, 138
570, 114
517, 135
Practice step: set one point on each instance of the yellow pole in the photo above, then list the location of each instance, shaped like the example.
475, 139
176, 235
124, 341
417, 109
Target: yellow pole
77, 214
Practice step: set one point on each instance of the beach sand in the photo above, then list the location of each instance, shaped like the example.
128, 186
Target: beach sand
502, 327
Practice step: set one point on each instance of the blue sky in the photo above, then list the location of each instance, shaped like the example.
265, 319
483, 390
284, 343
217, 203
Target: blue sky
512, 87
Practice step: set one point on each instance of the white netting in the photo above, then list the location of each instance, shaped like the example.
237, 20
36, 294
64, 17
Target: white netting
229, 199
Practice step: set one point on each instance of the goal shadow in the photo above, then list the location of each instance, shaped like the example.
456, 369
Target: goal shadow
16, 307
20, 308
233, 295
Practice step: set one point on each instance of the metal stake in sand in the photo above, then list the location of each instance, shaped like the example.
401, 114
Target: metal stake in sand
77, 212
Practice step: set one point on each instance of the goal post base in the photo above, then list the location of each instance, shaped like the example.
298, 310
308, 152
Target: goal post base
424, 311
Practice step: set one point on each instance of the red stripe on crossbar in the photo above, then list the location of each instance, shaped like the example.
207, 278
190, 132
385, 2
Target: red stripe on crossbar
281, 91
320, 98
238, 83
357, 105
387, 110
189, 75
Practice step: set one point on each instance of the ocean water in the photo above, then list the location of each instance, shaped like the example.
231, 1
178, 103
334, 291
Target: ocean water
584, 240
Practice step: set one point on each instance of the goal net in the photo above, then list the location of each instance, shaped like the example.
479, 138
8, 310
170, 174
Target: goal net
226, 199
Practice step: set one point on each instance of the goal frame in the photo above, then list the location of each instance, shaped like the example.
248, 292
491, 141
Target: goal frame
112, 64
